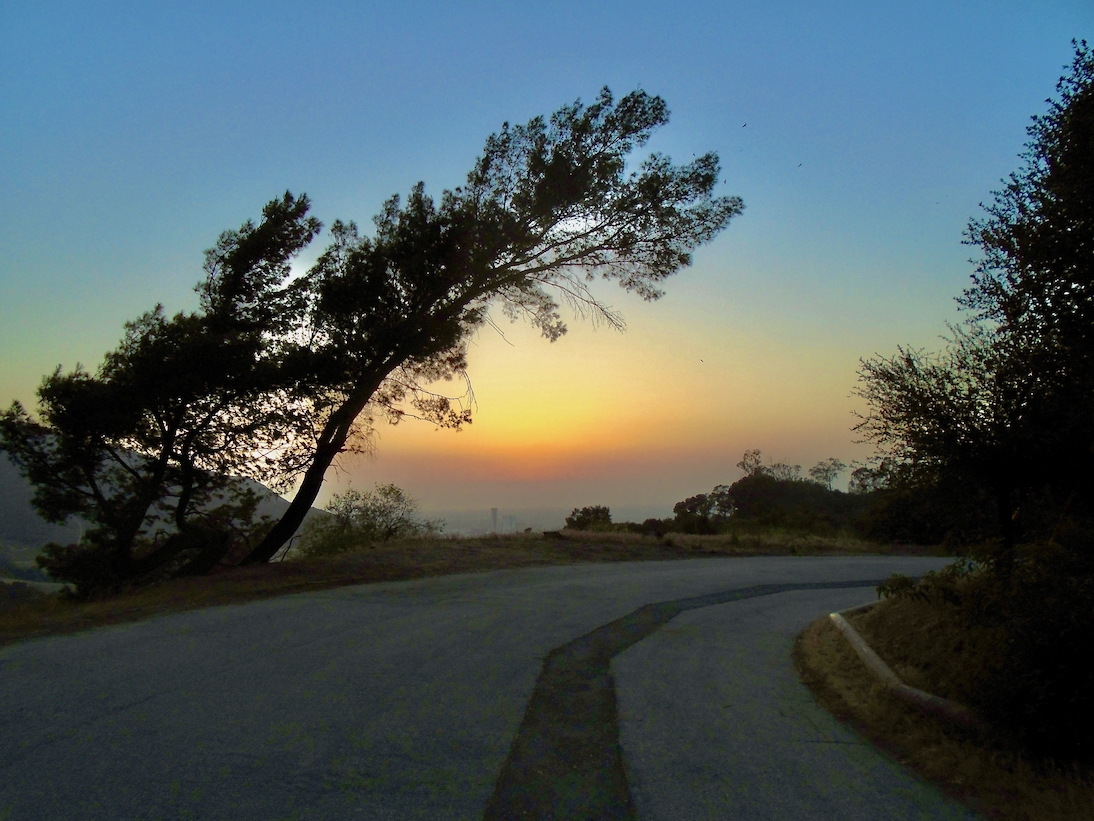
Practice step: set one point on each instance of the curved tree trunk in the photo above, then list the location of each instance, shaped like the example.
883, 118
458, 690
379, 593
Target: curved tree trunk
299, 507
331, 442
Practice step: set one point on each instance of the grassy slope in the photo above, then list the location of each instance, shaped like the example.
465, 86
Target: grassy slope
987, 772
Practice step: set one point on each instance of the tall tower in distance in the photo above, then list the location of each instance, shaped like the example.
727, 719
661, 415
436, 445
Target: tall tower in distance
494, 519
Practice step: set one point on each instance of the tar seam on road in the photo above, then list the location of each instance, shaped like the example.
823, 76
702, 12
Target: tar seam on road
566, 761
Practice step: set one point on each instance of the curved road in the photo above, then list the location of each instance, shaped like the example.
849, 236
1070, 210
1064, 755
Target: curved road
447, 698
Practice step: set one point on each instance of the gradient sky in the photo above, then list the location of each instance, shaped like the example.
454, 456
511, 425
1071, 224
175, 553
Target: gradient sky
132, 134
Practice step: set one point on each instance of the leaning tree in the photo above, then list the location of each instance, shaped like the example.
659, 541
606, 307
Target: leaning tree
549, 207
275, 376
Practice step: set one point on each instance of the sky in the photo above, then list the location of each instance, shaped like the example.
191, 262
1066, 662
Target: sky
861, 136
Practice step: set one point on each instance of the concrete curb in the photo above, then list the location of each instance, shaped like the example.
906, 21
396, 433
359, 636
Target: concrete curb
943, 708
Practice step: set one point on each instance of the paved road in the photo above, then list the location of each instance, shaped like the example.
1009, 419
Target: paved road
403, 700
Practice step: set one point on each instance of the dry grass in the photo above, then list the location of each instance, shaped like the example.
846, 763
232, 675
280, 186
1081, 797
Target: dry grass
33, 615
922, 646
770, 542
986, 772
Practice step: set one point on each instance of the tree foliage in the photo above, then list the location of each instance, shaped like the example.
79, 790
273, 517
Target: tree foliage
752, 464
145, 449
1008, 407
762, 500
768, 496
824, 472
589, 518
827, 471
548, 207
275, 377
866, 478
1006, 413
704, 512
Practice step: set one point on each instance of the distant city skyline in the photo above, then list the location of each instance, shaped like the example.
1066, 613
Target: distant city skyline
862, 137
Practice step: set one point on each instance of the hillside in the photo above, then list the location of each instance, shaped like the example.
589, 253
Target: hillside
21, 528
23, 531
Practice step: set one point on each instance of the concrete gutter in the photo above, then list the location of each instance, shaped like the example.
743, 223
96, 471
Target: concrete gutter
941, 707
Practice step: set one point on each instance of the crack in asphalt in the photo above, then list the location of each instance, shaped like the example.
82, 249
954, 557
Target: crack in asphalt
566, 761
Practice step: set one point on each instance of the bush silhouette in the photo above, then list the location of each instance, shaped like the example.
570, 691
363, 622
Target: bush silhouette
597, 517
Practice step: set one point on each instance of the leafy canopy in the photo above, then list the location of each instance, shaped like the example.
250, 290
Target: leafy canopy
1008, 406
549, 207
145, 449
275, 377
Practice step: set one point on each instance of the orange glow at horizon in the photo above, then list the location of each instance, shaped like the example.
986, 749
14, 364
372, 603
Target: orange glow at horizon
667, 395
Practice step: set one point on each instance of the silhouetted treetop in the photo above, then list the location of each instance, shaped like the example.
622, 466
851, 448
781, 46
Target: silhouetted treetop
1036, 268
245, 271
275, 375
1007, 409
548, 207
561, 188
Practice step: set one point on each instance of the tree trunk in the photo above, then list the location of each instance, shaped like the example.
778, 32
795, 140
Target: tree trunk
331, 442
1008, 526
217, 545
124, 564
299, 507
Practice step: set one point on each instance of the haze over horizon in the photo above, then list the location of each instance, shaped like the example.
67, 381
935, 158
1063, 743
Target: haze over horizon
861, 138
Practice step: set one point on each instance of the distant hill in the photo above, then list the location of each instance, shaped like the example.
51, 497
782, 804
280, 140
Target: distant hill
21, 528
23, 532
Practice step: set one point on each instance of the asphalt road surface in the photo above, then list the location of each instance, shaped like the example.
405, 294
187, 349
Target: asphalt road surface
459, 698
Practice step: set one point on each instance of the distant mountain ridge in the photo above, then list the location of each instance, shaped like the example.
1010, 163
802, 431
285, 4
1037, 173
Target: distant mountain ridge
24, 532
20, 525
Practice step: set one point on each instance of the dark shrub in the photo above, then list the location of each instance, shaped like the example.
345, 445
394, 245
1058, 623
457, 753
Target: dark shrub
597, 517
1043, 681
650, 527
87, 566
1036, 678
794, 504
930, 513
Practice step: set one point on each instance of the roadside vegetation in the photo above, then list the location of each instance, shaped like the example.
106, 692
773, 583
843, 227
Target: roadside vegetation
359, 520
379, 535
994, 435
993, 774
775, 499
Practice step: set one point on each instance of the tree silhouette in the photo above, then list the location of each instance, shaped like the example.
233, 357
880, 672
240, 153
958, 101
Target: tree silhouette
145, 450
1008, 406
827, 471
752, 464
275, 376
588, 518
548, 207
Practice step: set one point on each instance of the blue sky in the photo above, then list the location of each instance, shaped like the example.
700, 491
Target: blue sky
862, 137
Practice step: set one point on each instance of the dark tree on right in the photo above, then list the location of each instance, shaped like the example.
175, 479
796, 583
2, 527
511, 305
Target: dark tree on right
1008, 407
1006, 414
